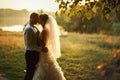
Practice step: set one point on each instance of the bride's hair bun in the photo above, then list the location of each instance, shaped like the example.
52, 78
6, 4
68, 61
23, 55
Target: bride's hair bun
44, 17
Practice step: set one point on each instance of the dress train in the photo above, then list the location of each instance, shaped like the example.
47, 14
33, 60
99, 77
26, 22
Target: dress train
48, 68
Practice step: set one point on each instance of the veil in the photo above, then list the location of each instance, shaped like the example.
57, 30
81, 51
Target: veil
53, 42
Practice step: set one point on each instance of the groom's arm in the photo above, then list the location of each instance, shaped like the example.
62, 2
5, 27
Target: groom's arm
32, 40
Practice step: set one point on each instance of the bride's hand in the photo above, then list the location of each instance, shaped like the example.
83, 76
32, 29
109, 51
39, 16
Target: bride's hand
45, 49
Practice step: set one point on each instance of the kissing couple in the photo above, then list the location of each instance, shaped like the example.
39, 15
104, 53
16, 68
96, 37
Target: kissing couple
42, 49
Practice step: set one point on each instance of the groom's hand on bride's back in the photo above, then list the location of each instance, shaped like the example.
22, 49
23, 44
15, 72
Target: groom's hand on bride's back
45, 49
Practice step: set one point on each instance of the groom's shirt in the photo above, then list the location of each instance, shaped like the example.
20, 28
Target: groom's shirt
30, 38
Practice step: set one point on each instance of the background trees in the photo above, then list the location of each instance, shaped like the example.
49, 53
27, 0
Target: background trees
89, 16
10, 17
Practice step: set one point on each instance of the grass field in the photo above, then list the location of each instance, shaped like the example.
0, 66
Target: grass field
81, 54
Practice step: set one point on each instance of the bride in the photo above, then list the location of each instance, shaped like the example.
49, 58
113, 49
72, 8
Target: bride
48, 67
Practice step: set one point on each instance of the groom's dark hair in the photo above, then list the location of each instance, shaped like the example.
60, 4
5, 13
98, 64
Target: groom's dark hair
34, 17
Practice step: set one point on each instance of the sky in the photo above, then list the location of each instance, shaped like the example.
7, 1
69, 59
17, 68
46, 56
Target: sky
47, 5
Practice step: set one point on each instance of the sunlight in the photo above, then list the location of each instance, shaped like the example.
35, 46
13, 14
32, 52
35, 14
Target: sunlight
16, 28
91, 0
83, 2
47, 5
97, 0
100, 66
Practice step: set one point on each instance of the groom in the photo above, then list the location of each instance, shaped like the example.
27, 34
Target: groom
31, 45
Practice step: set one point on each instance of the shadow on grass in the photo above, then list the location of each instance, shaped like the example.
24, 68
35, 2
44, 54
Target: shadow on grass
105, 45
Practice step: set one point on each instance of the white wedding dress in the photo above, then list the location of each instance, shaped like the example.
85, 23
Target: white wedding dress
48, 67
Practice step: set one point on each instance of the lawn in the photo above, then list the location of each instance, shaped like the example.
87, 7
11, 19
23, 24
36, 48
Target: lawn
81, 54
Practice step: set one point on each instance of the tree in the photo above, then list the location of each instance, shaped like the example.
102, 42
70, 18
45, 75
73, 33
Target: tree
107, 7
91, 15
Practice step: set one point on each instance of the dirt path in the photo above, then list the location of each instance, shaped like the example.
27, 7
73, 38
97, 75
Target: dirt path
2, 77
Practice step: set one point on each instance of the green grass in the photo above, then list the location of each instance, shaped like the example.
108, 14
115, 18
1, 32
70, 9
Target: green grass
116, 28
81, 54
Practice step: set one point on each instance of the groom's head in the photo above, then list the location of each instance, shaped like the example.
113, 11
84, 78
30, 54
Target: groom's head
34, 17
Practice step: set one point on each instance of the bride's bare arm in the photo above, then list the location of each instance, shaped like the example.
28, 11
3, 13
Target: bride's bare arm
44, 39
45, 36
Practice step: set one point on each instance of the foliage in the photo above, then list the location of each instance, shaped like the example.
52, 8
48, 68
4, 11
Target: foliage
10, 17
116, 28
107, 5
13, 13
64, 21
93, 17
